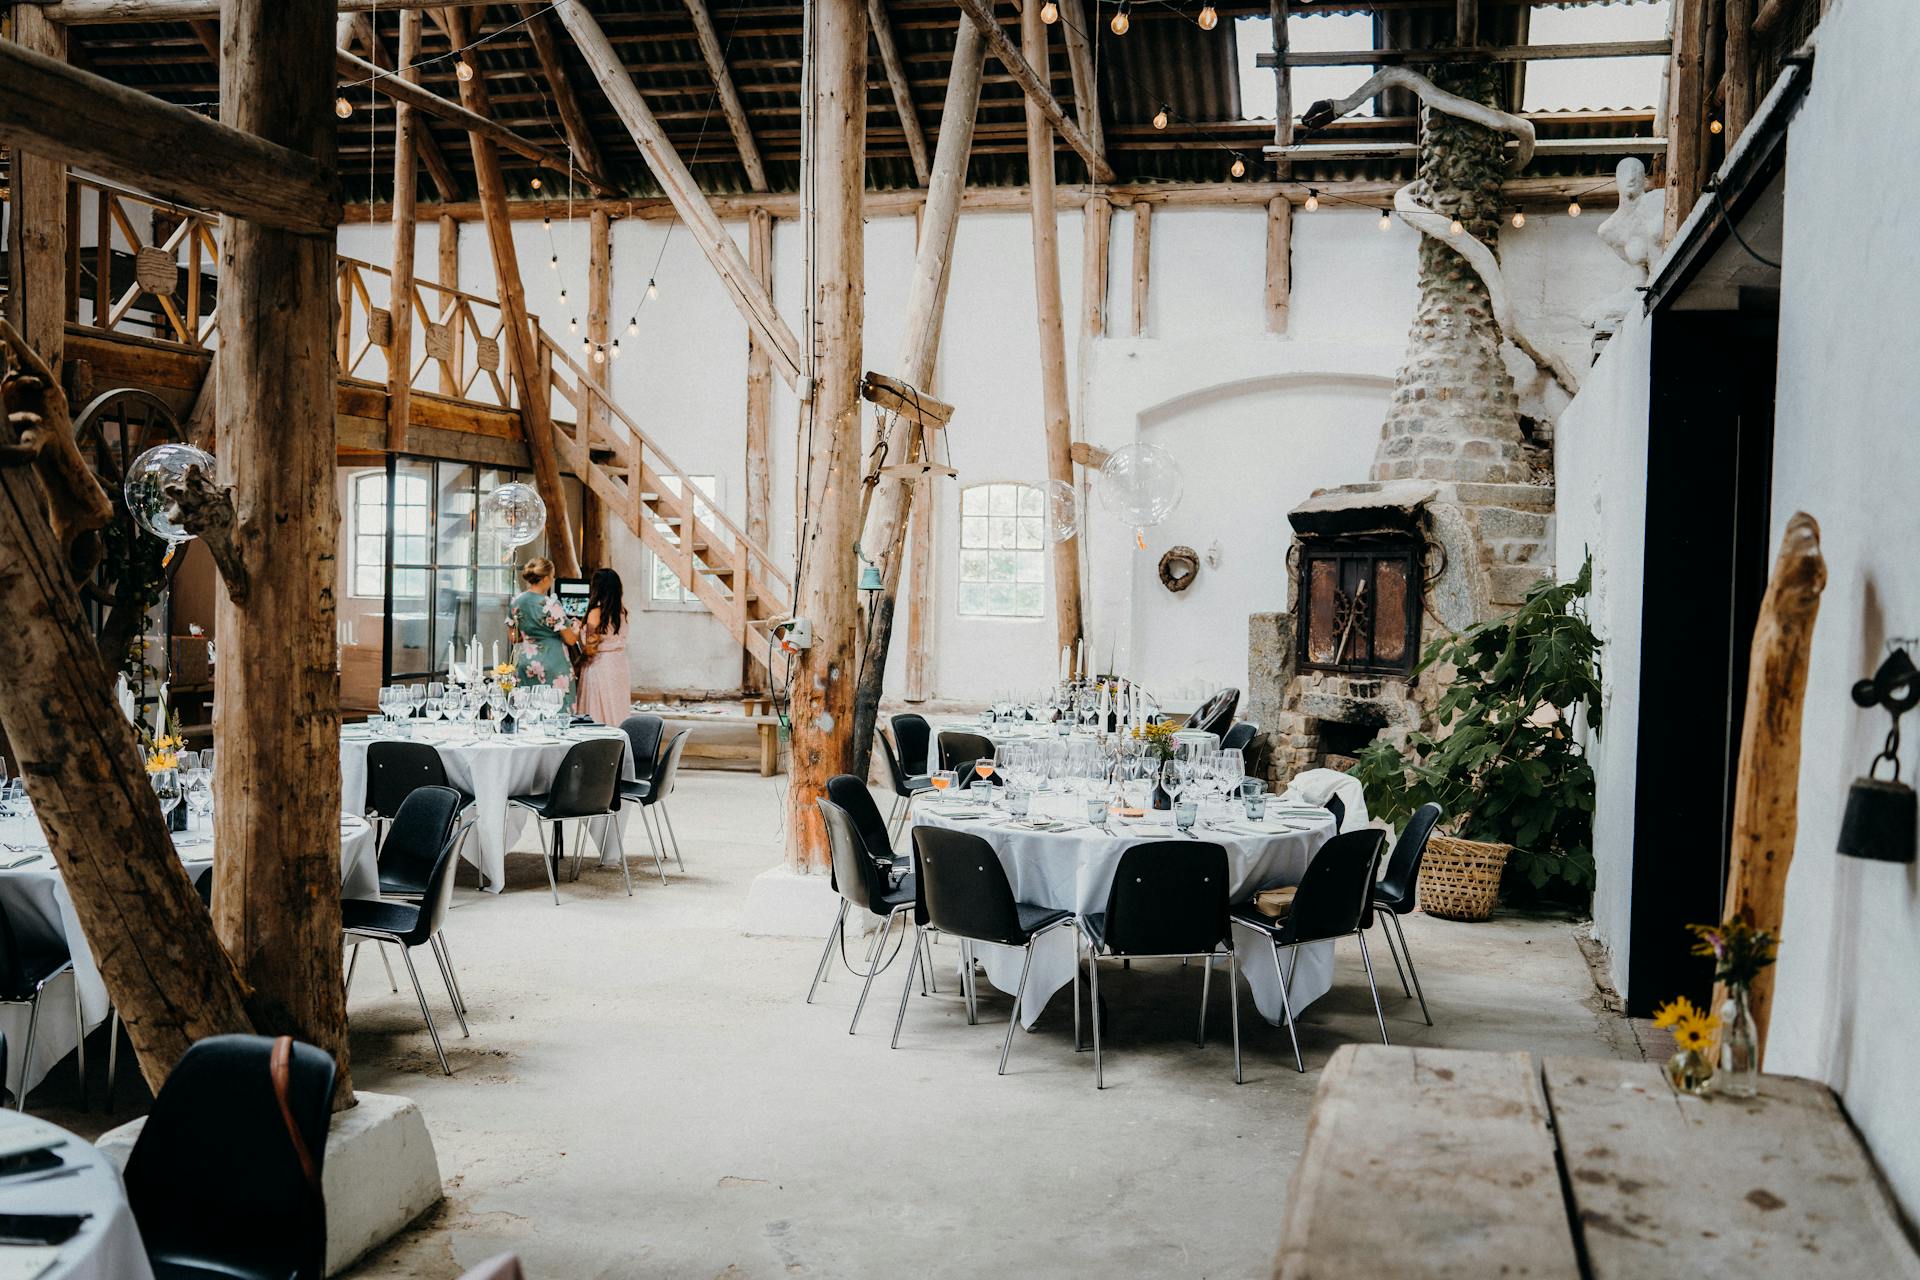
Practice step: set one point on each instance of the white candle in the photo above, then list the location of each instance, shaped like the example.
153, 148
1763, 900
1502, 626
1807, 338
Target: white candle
496, 653
1080, 657
449, 655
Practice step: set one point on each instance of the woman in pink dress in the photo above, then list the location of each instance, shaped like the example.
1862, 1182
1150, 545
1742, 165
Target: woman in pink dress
606, 684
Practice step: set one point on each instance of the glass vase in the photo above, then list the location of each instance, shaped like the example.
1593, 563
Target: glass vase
1690, 1071
1739, 1073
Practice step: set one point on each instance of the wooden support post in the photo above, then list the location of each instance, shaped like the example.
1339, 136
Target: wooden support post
759, 421
825, 594
359, 26
276, 894
1086, 78
406, 153
677, 181
1279, 262
1766, 814
884, 527
1142, 260
1097, 227
37, 228
715, 56
1282, 86
1466, 23
920, 594
535, 402
1686, 112
1738, 77
449, 256
165, 970
593, 423
1053, 343
1034, 81
902, 90
553, 69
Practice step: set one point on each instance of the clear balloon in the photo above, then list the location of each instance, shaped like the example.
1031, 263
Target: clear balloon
1141, 484
1063, 511
146, 483
517, 512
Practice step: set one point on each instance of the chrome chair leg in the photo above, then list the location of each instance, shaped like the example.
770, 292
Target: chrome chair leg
673, 836
388, 965
826, 953
873, 967
26, 1056
1386, 931
548, 863
439, 943
626, 871
659, 863
80, 1047
1361, 934
1233, 1002
1286, 1005
1076, 984
906, 988
933, 984
1401, 930
421, 995
967, 980
353, 958
1206, 985
1013, 1019
446, 976
1093, 1003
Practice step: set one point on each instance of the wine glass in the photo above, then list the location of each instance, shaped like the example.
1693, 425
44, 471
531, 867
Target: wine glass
942, 779
416, 699
168, 791
199, 798
1173, 779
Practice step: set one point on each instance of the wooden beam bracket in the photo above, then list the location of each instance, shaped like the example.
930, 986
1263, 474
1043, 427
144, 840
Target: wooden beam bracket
898, 397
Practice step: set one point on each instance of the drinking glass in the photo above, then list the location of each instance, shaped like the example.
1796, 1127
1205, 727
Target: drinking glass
432, 706
416, 699
386, 701
1019, 802
1231, 768
984, 768
1185, 813
199, 799
942, 779
1173, 779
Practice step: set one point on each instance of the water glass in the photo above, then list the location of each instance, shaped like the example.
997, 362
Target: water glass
1184, 814
376, 725
1256, 807
1019, 802
1097, 810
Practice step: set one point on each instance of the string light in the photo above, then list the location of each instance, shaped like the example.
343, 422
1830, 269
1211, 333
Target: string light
573, 324
599, 355
1160, 118
1049, 13
1454, 228
563, 295
1209, 18
653, 291
586, 345
536, 183
1313, 200
616, 348
547, 222
1519, 219
341, 107
1386, 220
1573, 208
1120, 21
1714, 125
463, 69
1239, 169
553, 263
633, 328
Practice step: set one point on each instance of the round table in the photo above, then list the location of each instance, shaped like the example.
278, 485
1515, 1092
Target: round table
1072, 869
107, 1246
41, 913
490, 769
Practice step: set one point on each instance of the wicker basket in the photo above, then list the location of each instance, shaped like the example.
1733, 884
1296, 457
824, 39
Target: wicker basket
1460, 879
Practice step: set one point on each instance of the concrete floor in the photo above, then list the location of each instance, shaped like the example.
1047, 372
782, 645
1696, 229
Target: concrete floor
645, 1093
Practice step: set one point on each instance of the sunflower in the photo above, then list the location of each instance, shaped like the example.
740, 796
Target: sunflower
1675, 1011
1692, 1027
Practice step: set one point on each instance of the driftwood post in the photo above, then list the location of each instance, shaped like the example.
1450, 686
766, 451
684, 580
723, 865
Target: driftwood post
150, 936
276, 898
1766, 793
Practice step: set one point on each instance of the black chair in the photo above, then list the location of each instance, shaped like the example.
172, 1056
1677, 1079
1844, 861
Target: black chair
1339, 812
1398, 892
1329, 903
585, 786
961, 751
1215, 715
644, 733
913, 738
25, 970
861, 881
905, 787
964, 891
421, 827
215, 1181
660, 829
1240, 737
413, 924
1168, 902
851, 794
394, 771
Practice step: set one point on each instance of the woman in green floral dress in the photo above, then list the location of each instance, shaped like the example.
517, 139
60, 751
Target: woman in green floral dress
538, 628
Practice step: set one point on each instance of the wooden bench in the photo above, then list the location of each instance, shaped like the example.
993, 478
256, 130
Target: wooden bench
727, 741
1448, 1162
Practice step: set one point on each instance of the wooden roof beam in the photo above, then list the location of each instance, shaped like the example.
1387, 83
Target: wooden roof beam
63, 113
882, 25
1086, 79
1500, 53
360, 70
82, 12
981, 11
716, 60
572, 119
360, 27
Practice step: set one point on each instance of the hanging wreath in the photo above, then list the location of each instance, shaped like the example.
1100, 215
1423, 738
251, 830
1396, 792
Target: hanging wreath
1178, 568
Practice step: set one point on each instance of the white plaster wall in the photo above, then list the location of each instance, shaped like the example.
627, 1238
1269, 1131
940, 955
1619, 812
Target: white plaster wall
1257, 420
1600, 459
1847, 451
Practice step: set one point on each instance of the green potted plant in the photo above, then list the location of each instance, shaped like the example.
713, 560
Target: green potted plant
1503, 763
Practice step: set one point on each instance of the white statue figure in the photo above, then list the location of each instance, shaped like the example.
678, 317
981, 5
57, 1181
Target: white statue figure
1633, 230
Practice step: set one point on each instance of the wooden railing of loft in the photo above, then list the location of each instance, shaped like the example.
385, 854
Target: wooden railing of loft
156, 235
459, 335
733, 576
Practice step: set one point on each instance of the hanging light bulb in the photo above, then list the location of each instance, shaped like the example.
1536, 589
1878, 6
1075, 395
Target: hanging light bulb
536, 182
1160, 118
573, 324
1239, 169
547, 222
1120, 21
1714, 125
1519, 218
599, 355
1454, 228
563, 295
553, 263
463, 69
633, 327
1313, 200
616, 348
1573, 208
1049, 13
586, 345
341, 107
653, 291
1386, 220
1209, 17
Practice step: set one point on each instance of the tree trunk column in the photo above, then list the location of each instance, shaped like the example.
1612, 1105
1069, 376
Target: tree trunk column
276, 903
824, 676
1454, 416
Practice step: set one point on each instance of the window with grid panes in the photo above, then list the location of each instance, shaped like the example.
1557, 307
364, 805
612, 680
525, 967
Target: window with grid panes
1003, 565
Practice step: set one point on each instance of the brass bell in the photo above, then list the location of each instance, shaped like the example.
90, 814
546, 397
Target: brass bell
1879, 823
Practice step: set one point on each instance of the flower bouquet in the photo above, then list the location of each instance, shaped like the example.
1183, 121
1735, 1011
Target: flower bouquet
1159, 739
1693, 1028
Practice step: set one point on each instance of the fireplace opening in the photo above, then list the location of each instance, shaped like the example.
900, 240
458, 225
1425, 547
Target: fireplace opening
1338, 738
1360, 599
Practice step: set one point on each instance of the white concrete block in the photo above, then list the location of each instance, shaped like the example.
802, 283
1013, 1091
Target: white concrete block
380, 1172
784, 904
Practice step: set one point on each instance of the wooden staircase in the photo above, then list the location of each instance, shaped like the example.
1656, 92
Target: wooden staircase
733, 576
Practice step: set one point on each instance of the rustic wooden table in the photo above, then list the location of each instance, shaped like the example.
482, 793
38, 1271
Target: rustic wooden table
1449, 1162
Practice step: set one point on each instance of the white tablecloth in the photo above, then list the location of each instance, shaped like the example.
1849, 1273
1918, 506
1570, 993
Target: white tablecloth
1006, 734
490, 769
41, 912
108, 1246
1073, 870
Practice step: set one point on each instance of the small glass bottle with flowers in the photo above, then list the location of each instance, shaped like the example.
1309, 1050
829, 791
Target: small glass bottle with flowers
1739, 953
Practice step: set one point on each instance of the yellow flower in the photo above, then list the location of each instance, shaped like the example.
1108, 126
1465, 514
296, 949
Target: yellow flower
162, 761
1674, 1012
503, 669
1696, 1033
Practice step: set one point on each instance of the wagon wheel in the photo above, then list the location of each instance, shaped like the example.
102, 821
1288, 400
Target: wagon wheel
115, 428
